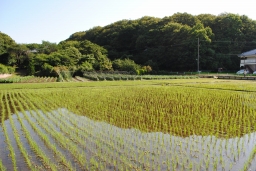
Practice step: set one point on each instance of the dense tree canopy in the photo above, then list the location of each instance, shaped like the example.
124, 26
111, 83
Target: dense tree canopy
6, 43
151, 43
170, 43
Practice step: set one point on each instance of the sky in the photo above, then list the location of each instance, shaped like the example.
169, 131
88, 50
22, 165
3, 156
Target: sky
31, 21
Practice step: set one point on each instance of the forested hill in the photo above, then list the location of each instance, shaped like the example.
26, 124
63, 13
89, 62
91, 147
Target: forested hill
170, 43
139, 46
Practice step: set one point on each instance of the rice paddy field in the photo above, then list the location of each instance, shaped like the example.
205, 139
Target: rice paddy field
155, 125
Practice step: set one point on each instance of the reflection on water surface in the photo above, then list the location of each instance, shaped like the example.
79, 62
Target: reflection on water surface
106, 147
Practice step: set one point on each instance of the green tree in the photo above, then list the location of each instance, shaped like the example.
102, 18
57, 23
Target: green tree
46, 70
207, 19
184, 19
6, 42
125, 65
39, 61
73, 53
18, 54
3, 69
47, 47
67, 44
31, 68
85, 66
170, 43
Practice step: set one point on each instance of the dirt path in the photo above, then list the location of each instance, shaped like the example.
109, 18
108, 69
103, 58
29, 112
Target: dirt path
5, 75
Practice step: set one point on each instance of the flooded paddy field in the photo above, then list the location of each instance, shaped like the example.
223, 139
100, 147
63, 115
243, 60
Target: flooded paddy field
147, 127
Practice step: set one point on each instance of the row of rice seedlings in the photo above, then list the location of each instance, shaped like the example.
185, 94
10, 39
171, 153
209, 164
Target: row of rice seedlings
60, 138
228, 85
129, 107
112, 77
109, 138
65, 142
179, 108
248, 163
85, 122
77, 136
15, 132
36, 148
40, 154
84, 130
213, 129
2, 167
15, 79
8, 142
39, 80
77, 84
73, 136
28, 79
95, 128
2, 107
51, 146
211, 109
46, 140
99, 138
84, 135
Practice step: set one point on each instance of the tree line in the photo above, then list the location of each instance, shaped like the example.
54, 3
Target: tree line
143, 45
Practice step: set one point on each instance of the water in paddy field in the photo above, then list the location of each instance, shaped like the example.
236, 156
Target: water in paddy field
105, 147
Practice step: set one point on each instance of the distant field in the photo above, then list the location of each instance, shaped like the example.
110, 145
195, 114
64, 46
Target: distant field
178, 124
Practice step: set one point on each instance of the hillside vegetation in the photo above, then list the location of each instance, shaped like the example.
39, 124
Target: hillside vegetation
144, 45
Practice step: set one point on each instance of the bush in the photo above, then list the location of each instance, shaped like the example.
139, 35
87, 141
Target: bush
109, 78
125, 65
31, 68
124, 78
6, 69
117, 77
11, 70
101, 78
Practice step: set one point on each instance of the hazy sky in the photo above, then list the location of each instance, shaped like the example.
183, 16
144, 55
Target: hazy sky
31, 21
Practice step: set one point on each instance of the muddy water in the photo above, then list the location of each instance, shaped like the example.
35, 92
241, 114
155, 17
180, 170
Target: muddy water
4, 150
158, 149
114, 148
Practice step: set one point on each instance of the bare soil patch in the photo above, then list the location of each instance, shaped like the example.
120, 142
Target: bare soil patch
5, 75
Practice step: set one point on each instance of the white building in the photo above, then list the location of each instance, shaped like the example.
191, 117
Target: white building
248, 60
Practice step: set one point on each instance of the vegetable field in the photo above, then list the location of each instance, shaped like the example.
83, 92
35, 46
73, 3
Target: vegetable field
28, 79
194, 124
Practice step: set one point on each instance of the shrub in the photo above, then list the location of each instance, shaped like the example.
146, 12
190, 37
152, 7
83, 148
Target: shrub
109, 78
6, 69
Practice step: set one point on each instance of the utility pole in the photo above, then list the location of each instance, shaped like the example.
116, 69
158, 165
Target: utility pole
198, 55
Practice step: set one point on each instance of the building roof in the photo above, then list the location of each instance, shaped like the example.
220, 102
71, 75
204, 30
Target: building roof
251, 53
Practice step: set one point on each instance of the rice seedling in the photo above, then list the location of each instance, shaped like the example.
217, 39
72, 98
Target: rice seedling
40, 154
2, 167
60, 139
8, 142
17, 136
48, 143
